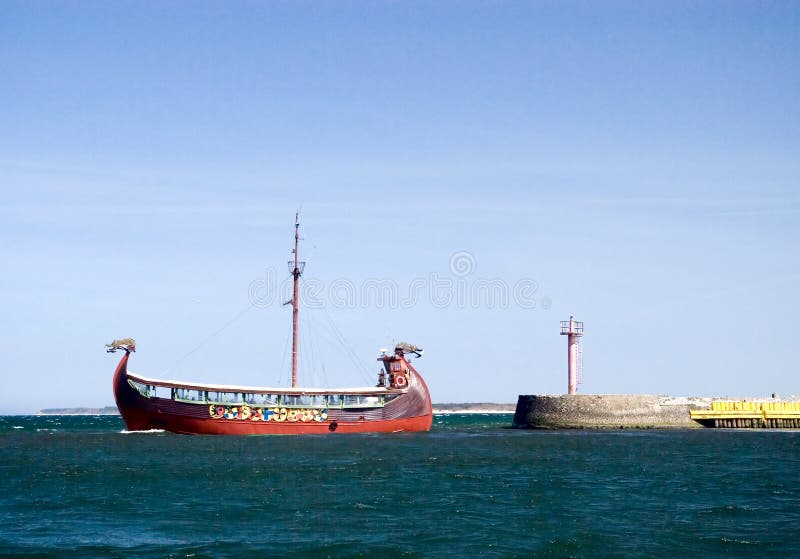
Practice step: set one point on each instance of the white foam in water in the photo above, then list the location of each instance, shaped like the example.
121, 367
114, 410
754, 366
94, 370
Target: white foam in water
18, 427
126, 432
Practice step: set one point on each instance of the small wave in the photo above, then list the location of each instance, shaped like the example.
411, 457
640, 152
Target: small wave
726, 509
126, 432
18, 427
743, 542
46, 430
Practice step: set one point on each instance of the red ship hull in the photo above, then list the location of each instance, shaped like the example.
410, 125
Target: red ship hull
403, 406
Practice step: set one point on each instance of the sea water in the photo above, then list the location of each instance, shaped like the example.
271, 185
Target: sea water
83, 487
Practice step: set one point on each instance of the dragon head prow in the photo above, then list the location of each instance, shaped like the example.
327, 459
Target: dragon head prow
128, 344
405, 348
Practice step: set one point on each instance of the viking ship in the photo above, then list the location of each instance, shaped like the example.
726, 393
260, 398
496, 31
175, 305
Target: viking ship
400, 401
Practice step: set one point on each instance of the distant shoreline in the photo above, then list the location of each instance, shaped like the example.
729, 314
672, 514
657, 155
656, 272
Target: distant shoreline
107, 410
481, 407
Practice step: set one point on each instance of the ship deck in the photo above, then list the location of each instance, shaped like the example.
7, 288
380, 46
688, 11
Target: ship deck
366, 390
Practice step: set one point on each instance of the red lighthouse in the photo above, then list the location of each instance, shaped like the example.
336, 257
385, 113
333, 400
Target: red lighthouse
573, 330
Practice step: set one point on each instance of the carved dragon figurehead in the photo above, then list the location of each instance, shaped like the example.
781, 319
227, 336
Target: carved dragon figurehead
128, 344
405, 349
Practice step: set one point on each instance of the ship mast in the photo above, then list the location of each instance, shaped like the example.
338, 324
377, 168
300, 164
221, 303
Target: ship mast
296, 268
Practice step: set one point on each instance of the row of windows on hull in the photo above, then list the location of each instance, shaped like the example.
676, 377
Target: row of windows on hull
261, 400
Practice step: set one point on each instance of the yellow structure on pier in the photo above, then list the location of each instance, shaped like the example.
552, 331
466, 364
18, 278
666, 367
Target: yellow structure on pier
749, 414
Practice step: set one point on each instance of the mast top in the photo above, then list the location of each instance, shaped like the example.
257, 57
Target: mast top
296, 266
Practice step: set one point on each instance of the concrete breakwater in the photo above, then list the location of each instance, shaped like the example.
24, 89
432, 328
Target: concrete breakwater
606, 411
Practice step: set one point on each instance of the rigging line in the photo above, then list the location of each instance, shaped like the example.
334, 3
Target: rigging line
283, 359
324, 375
306, 358
313, 344
311, 351
318, 354
314, 347
321, 355
339, 338
208, 338
354, 358
328, 337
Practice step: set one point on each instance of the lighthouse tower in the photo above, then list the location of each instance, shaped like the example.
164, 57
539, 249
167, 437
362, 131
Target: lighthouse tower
573, 330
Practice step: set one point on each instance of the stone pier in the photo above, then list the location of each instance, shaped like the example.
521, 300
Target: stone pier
606, 411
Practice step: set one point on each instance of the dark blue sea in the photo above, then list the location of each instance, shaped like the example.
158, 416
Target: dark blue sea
82, 487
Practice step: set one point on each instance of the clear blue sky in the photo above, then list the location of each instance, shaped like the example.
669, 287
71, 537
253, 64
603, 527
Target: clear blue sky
638, 161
